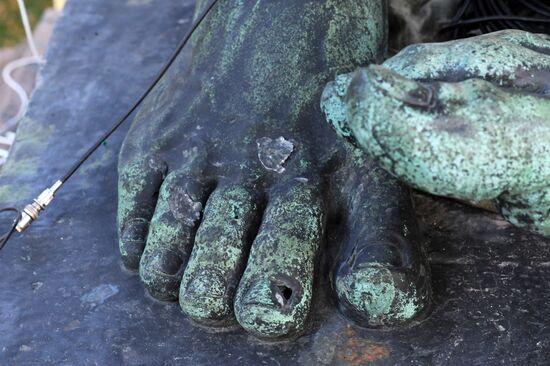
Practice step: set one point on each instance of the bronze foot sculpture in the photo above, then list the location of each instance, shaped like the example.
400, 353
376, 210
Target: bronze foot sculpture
228, 176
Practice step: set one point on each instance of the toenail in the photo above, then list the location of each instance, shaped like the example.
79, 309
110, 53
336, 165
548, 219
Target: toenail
259, 293
172, 264
422, 96
380, 253
135, 230
205, 297
206, 284
377, 296
168, 263
410, 92
272, 307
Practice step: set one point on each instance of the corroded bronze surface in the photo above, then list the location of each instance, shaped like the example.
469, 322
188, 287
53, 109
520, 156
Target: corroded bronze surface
65, 301
468, 119
249, 175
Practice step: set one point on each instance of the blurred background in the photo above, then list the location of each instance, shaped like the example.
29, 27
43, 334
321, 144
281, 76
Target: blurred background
16, 59
11, 29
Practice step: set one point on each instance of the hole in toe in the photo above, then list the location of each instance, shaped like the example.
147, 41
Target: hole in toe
286, 292
283, 295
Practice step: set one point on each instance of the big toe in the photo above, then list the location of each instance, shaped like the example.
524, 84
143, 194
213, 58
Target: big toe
274, 296
380, 295
383, 276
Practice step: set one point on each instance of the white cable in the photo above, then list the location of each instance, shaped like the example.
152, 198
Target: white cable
27, 27
18, 89
10, 67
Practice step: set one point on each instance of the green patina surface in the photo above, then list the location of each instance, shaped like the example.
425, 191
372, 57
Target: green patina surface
275, 294
476, 128
223, 239
257, 70
14, 193
171, 232
333, 103
27, 147
136, 187
23, 167
385, 280
374, 291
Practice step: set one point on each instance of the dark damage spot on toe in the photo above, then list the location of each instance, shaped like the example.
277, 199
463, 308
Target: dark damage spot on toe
286, 292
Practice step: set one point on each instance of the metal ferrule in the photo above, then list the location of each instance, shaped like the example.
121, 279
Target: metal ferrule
32, 211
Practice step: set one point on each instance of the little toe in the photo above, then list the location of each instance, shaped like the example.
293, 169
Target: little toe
219, 254
171, 234
138, 186
383, 277
274, 295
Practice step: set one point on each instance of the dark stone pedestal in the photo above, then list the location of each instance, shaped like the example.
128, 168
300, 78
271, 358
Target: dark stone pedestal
64, 299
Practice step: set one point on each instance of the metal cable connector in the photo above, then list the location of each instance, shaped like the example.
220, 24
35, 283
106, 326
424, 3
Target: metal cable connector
32, 211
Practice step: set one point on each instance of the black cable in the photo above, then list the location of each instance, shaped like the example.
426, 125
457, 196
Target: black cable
117, 124
493, 18
19, 215
4, 238
537, 7
484, 16
460, 13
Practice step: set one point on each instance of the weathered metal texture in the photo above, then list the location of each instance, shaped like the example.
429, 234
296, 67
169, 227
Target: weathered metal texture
237, 129
65, 300
468, 119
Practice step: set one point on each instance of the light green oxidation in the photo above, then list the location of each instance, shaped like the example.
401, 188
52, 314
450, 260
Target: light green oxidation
30, 137
170, 235
103, 160
283, 256
21, 167
257, 69
126, 193
334, 105
14, 193
136, 180
211, 277
475, 139
138, 2
372, 290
